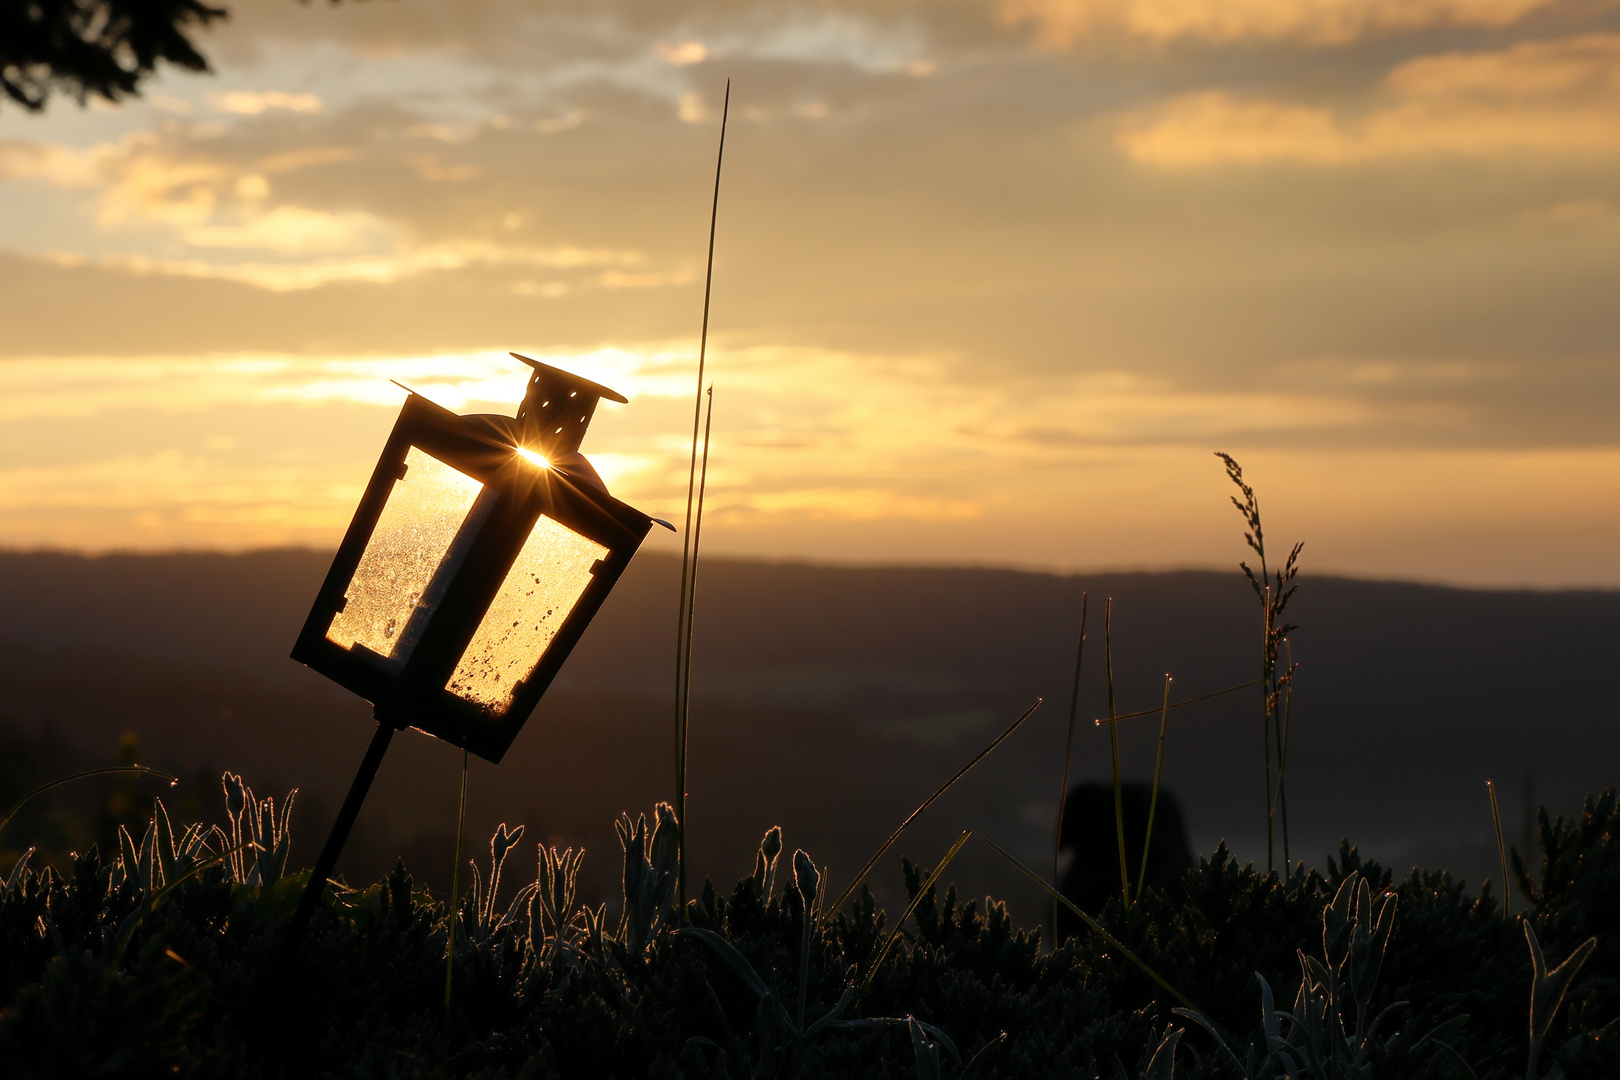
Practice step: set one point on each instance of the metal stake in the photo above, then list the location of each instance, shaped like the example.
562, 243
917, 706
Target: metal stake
335, 839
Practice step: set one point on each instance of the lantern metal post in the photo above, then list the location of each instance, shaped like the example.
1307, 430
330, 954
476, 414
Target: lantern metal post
324, 865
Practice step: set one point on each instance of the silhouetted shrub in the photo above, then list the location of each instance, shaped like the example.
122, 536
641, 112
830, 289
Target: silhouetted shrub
162, 962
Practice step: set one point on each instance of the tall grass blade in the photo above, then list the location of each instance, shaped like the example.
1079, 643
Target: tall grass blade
1547, 987
1153, 802
1108, 939
807, 883
1501, 847
686, 677
1282, 748
1113, 745
126, 930
681, 620
980, 1061
1273, 597
1068, 745
455, 896
1101, 720
926, 803
43, 788
1271, 803
894, 935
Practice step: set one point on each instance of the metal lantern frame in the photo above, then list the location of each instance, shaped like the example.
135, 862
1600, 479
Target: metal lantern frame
527, 468
414, 693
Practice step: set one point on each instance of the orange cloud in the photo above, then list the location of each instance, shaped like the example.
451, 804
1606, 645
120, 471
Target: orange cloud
850, 504
312, 234
1061, 23
254, 102
214, 207
1557, 97
682, 53
291, 229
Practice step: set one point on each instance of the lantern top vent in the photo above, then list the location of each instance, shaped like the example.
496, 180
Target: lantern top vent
557, 408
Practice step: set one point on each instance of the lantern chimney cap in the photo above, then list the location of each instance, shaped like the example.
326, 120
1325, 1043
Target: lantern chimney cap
556, 409
554, 378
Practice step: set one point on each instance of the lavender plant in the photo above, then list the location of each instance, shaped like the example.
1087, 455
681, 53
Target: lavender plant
145, 966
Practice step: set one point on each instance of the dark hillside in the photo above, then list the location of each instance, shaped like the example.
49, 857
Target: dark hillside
832, 699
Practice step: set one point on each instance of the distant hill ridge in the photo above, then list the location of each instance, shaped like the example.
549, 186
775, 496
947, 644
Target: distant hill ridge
834, 697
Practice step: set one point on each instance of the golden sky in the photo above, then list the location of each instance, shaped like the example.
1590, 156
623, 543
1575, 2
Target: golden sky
994, 277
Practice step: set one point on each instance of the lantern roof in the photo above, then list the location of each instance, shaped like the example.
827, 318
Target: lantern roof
556, 378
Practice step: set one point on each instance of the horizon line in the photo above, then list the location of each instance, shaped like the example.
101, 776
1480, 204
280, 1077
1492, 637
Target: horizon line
835, 563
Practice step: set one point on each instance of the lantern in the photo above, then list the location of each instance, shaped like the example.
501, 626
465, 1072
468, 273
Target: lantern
482, 547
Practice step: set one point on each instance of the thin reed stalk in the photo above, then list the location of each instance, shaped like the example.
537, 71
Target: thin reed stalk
455, 896
1101, 720
686, 677
1113, 745
1273, 594
682, 621
1153, 801
1068, 745
1265, 721
926, 803
43, 788
929, 883
157, 896
1287, 683
1108, 939
1501, 846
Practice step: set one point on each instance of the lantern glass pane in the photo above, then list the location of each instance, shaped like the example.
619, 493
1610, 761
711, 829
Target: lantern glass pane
545, 582
409, 559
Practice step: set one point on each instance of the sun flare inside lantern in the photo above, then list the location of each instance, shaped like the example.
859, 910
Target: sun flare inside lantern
533, 458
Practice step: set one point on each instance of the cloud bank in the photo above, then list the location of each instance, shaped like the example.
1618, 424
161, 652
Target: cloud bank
993, 276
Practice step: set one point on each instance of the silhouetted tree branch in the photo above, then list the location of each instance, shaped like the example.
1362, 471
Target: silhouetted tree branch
100, 47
